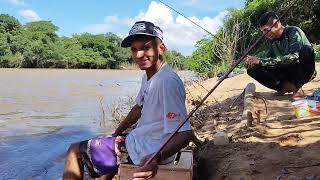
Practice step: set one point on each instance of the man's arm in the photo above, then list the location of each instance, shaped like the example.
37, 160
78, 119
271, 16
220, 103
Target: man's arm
179, 141
295, 42
131, 118
294, 45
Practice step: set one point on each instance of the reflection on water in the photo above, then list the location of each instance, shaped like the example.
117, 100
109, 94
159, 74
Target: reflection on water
42, 111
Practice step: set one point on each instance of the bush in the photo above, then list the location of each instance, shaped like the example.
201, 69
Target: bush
317, 51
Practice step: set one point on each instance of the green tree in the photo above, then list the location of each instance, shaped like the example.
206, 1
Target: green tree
37, 45
175, 59
299, 13
202, 59
9, 24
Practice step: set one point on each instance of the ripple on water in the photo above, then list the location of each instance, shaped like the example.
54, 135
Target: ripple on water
37, 156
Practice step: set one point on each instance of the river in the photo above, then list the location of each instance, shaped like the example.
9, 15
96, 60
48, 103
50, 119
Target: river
42, 111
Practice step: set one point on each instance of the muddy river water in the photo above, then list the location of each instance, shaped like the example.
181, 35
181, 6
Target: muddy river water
42, 111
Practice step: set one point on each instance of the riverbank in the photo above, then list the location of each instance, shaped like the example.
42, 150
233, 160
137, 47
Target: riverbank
275, 149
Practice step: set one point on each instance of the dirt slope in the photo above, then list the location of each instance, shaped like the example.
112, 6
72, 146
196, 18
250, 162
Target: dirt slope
280, 147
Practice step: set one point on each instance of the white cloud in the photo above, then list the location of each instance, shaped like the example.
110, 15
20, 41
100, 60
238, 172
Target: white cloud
206, 5
111, 19
17, 2
179, 33
108, 25
158, 14
30, 15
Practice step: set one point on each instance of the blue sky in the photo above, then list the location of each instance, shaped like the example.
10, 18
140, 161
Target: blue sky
117, 16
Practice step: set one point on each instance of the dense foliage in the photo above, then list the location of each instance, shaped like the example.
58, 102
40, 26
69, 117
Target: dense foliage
36, 45
239, 32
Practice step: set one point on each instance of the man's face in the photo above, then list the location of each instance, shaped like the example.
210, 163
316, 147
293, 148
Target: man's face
145, 52
275, 31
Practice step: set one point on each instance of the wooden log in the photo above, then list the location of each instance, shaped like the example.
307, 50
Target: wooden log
249, 119
249, 103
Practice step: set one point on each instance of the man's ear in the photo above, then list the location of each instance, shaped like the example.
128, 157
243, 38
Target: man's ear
162, 48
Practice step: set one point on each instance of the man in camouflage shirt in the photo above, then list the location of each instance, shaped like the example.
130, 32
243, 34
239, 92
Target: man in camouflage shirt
290, 62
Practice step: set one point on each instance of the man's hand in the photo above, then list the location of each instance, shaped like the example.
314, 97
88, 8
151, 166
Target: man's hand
251, 60
120, 150
180, 140
147, 171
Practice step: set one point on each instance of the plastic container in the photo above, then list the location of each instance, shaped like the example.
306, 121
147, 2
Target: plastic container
314, 106
301, 108
221, 138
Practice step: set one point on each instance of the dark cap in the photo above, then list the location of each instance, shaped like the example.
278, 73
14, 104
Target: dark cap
142, 28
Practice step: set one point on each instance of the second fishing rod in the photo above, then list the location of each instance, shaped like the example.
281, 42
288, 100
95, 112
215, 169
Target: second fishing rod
235, 64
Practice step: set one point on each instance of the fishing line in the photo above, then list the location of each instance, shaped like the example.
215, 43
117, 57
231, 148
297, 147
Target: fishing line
217, 84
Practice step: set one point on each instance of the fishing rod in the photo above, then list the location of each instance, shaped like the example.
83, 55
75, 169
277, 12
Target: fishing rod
215, 87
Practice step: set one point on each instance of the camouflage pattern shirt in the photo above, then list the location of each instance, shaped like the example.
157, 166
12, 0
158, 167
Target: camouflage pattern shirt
285, 50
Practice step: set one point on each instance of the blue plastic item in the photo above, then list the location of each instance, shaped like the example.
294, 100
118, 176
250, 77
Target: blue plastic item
315, 96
